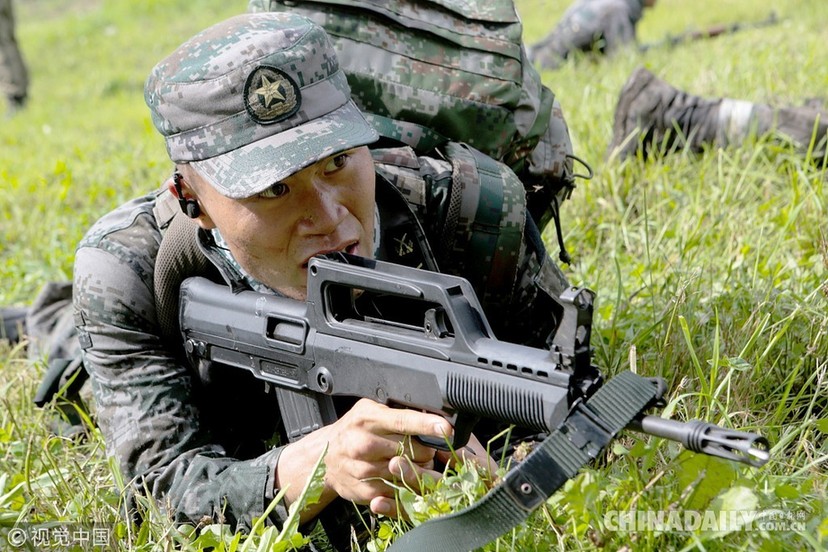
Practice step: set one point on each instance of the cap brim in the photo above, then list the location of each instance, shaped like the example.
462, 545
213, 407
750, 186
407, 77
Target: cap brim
251, 169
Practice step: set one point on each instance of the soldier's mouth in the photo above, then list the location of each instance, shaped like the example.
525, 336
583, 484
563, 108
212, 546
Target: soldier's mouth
351, 249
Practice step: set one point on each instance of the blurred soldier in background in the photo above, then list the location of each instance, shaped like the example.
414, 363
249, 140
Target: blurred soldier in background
600, 26
14, 80
653, 115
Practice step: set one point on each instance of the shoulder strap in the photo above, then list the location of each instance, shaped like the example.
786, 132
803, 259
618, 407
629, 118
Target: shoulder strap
179, 257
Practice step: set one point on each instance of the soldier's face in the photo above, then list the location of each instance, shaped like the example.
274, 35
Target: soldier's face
328, 206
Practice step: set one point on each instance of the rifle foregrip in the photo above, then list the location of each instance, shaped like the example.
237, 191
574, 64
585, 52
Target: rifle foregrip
707, 438
524, 406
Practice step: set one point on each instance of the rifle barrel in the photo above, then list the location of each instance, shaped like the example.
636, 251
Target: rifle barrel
711, 32
698, 436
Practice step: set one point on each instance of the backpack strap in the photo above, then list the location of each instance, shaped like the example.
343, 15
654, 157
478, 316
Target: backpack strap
420, 137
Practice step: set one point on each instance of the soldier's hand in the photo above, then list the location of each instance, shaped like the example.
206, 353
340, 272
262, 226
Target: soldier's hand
369, 445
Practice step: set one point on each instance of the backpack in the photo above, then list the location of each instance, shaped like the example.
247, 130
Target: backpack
477, 212
428, 72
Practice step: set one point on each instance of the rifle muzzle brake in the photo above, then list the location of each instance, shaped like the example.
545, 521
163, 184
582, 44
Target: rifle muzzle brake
707, 438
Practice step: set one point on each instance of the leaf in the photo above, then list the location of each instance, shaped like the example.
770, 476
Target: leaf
6, 498
619, 450
310, 495
186, 530
823, 529
639, 449
738, 498
739, 364
212, 536
704, 476
273, 542
822, 425
786, 491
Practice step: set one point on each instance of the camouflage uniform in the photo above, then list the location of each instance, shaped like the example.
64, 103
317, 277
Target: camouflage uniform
589, 26
14, 79
653, 115
200, 440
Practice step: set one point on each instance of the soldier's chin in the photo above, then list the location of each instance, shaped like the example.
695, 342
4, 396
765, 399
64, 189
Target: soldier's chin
298, 293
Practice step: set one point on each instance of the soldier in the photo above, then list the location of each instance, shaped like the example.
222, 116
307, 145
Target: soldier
653, 115
14, 79
272, 166
600, 26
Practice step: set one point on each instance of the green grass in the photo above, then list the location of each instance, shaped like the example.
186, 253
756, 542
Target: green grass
710, 269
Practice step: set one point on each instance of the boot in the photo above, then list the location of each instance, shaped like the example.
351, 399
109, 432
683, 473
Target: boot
800, 125
14, 323
651, 115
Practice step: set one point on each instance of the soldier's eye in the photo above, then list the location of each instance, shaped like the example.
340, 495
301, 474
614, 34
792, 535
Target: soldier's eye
275, 190
337, 162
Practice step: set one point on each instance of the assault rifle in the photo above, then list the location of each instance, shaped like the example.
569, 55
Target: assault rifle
419, 339
672, 41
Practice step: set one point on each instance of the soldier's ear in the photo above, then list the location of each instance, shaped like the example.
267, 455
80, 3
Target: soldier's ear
188, 201
189, 206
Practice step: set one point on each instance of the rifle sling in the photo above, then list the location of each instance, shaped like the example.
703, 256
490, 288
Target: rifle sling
589, 427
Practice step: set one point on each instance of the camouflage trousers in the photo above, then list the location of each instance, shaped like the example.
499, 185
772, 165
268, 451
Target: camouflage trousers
725, 121
670, 117
802, 125
52, 336
14, 78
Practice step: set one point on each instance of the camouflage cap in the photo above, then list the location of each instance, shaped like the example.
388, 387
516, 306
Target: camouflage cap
254, 99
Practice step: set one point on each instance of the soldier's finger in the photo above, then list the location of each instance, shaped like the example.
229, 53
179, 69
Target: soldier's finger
410, 422
414, 475
383, 506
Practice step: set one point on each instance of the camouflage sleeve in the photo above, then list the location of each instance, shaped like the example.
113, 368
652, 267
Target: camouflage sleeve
583, 23
144, 399
618, 30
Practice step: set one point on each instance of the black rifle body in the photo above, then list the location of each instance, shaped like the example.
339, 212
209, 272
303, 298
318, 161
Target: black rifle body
449, 365
435, 352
